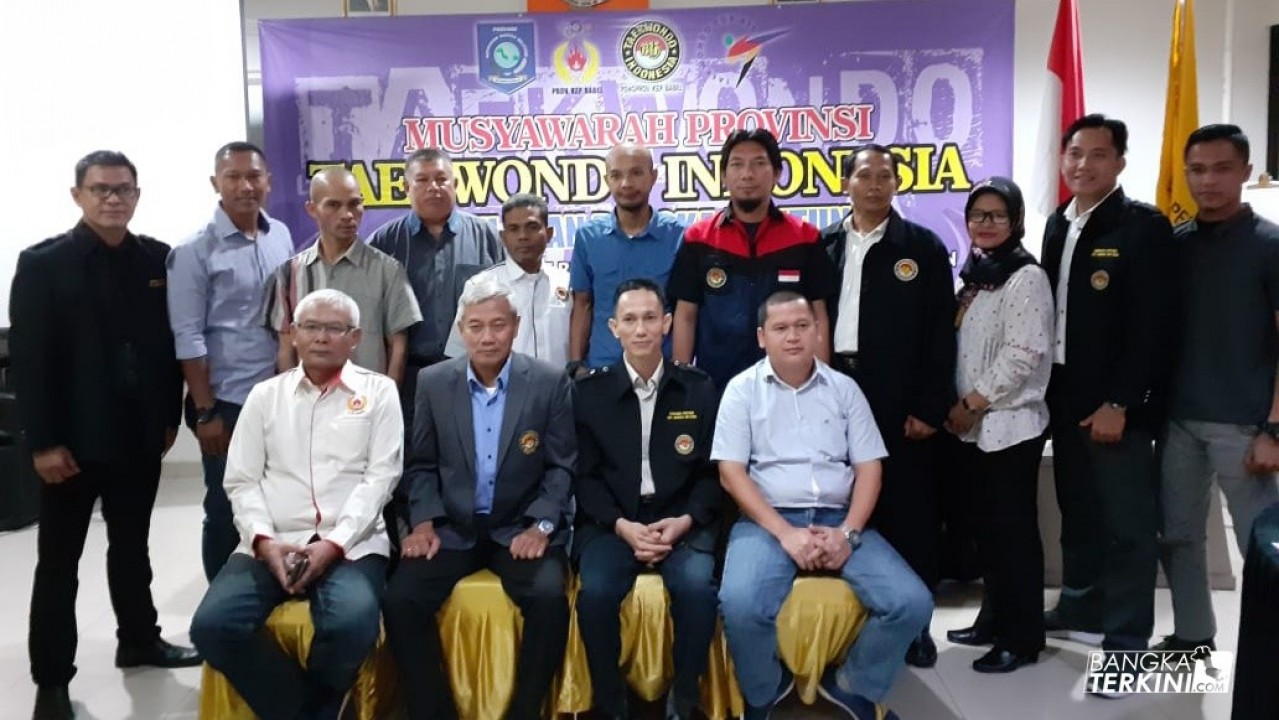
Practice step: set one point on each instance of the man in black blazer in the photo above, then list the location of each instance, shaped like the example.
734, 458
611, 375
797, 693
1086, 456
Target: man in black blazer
648, 497
99, 392
892, 323
1107, 259
489, 476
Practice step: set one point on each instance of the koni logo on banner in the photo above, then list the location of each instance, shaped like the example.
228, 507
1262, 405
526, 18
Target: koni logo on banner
533, 103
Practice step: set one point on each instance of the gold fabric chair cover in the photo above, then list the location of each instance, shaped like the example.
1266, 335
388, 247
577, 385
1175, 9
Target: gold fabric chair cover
480, 631
372, 697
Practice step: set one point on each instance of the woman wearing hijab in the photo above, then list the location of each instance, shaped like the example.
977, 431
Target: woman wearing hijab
1005, 330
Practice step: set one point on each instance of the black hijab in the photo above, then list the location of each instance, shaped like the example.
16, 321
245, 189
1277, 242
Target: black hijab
990, 269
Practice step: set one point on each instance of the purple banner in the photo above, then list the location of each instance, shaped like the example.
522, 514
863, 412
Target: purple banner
533, 103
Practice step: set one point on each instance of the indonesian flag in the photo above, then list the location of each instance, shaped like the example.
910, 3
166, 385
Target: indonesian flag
1063, 104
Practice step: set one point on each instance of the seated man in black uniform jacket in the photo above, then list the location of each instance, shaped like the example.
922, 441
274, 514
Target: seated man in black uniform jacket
648, 496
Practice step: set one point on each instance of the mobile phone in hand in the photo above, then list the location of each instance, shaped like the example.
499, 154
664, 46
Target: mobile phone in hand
298, 564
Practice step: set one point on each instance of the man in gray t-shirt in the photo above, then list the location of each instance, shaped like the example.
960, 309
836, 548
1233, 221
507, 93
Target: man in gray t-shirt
1224, 415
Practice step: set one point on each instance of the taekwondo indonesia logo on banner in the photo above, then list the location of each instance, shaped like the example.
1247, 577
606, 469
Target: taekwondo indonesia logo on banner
1159, 671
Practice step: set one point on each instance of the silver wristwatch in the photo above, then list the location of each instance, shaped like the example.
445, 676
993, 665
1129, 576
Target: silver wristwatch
854, 537
546, 527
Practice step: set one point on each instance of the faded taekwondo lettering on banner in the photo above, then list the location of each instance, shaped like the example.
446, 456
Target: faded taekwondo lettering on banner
532, 104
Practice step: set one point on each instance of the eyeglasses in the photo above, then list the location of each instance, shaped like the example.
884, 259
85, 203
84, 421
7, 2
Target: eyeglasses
331, 329
103, 192
979, 217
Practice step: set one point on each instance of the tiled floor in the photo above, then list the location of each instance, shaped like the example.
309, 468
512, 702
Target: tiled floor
1052, 689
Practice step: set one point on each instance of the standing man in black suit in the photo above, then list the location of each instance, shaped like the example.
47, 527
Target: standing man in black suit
893, 331
488, 479
99, 391
1107, 259
648, 497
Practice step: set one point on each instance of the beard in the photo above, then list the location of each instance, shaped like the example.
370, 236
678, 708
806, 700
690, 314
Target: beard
635, 206
748, 205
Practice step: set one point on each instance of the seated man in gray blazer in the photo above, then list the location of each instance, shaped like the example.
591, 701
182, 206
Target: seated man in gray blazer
488, 476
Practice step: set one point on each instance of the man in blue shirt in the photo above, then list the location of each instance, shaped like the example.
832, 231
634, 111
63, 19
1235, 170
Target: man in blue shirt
216, 287
634, 241
799, 451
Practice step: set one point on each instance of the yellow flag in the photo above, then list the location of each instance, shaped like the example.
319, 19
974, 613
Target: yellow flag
1181, 117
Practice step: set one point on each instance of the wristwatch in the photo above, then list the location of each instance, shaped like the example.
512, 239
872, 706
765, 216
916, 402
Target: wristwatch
546, 527
1269, 428
205, 416
854, 537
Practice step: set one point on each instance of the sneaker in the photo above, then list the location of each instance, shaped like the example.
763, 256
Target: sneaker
856, 707
1174, 643
1055, 627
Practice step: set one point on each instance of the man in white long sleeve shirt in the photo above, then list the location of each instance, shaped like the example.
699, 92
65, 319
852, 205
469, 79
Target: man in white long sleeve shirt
315, 456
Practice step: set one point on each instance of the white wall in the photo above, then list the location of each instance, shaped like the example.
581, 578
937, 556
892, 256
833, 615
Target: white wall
161, 81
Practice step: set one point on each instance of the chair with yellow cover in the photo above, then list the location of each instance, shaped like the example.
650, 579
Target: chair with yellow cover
373, 695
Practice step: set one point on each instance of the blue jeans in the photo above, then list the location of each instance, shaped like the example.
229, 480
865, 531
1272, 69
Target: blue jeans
219, 537
608, 568
757, 578
227, 630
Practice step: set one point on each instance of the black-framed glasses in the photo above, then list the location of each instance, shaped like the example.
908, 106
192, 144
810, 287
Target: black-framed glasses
103, 192
330, 329
981, 217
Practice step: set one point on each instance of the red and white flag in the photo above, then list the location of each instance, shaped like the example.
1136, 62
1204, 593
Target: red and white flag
1063, 104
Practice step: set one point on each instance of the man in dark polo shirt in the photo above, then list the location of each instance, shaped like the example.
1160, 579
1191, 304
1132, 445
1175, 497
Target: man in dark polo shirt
1224, 413
440, 247
730, 262
893, 331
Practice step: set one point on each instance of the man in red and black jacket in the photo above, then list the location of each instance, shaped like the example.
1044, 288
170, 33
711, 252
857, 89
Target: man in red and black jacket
892, 319
730, 262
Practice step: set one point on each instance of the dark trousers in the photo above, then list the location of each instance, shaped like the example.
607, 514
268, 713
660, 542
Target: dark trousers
1005, 485
1109, 515
219, 538
227, 630
607, 568
128, 492
420, 587
906, 514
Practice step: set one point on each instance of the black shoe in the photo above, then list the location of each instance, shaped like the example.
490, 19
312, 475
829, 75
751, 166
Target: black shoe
1003, 661
974, 636
1174, 643
784, 688
922, 652
53, 702
156, 653
1056, 627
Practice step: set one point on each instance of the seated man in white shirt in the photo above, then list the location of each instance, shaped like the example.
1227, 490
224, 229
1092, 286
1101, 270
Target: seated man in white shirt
799, 451
313, 460
539, 292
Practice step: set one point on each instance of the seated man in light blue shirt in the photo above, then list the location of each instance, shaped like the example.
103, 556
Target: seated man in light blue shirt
216, 287
799, 451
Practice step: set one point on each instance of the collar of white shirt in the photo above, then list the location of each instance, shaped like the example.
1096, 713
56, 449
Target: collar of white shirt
1073, 215
515, 273
345, 378
859, 237
637, 382
820, 370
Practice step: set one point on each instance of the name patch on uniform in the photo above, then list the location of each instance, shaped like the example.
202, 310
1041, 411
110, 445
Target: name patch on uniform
681, 415
1105, 252
787, 276
156, 283
715, 278
356, 404
906, 270
684, 444
1100, 280
529, 442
